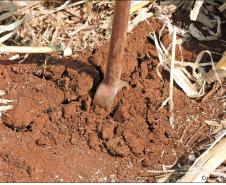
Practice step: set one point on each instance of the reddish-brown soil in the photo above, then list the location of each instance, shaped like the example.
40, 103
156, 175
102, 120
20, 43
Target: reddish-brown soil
53, 133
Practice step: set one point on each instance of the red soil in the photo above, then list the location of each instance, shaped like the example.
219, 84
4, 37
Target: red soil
53, 134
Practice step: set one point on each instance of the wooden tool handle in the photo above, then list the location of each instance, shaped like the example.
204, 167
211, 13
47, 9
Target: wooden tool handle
118, 41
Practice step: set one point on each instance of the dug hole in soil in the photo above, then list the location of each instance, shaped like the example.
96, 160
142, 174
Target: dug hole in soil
53, 134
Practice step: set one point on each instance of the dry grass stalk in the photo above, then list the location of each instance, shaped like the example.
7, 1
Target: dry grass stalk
195, 11
218, 71
143, 15
222, 7
171, 120
181, 76
137, 5
26, 49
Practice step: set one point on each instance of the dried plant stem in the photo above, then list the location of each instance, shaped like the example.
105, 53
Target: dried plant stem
222, 7
136, 5
27, 49
171, 77
196, 132
194, 13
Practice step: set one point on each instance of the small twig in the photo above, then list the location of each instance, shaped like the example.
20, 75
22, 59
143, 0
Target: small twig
168, 171
184, 132
25, 57
194, 135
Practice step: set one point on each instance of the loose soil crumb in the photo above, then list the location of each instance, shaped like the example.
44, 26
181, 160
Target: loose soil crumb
53, 134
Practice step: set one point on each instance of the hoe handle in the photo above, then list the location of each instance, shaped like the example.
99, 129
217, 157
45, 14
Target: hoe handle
118, 41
